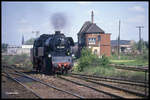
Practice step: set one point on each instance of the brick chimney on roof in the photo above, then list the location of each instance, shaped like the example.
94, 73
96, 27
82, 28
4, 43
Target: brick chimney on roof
22, 39
92, 17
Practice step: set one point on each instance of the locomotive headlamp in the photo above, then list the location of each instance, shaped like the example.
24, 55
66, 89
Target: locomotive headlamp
72, 55
68, 53
49, 55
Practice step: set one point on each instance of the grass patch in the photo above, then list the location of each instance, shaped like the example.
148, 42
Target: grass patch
129, 62
92, 65
22, 61
99, 70
113, 72
121, 61
130, 59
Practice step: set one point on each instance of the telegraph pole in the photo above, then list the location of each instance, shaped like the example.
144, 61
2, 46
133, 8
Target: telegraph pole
119, 42
140, 49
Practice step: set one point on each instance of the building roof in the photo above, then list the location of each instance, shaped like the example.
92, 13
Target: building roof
89, 27
122, 42
13, 46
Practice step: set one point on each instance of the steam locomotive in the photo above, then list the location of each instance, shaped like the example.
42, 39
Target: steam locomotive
51, 53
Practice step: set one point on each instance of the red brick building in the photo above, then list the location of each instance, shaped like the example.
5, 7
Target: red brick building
92, 36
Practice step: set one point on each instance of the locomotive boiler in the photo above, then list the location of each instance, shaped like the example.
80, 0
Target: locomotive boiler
52, 53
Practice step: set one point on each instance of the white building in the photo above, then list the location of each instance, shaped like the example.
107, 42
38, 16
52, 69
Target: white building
27, 46
26, 49
14, 50
125, 46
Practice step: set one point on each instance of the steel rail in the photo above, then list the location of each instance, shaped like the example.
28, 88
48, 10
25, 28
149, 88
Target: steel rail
111, 78
15, 80
49, 85
107, 93
130, 68
114, 87
114, 81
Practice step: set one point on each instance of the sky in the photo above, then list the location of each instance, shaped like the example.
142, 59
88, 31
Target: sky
24, 18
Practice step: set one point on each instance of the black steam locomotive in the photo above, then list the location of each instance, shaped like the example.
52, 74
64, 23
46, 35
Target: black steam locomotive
52, 53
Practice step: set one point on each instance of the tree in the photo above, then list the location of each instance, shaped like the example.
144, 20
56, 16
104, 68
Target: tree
30, 41
144, 46
4, 47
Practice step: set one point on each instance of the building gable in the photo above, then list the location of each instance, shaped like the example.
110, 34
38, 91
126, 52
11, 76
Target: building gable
89, 27
94, 29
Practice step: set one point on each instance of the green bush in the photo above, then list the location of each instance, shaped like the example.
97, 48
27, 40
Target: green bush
91, 64
88, 59
143, 59
104, 61
17, 59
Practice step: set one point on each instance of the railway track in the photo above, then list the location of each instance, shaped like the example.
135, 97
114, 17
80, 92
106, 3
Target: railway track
133, 68
114, 92
15, 80
116, 81
18, 73
112, 79
126, 91
88, 86
39, 83
79, 89
140, 86
88, 81
114, 86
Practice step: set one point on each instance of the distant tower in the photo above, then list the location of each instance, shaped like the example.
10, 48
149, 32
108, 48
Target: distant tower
22, 40
92, 17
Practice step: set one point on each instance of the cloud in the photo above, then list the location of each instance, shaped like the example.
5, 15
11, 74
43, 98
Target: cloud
23, 21
137, 8
137, 19
25, 29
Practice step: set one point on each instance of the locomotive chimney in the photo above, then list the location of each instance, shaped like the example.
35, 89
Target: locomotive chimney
57, 32
92, 17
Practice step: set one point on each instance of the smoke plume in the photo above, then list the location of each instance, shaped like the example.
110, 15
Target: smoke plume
59, 21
